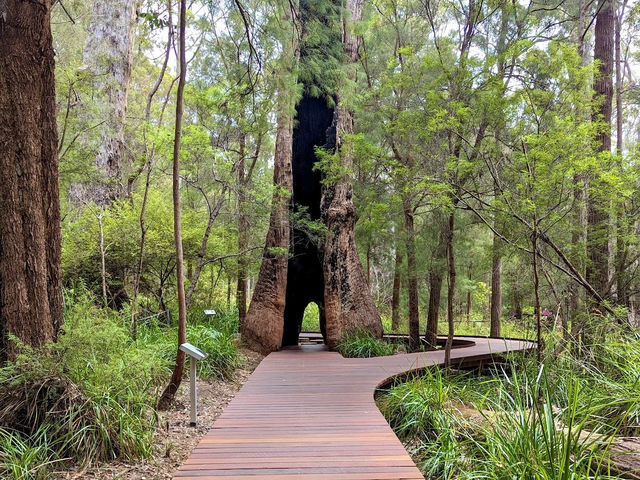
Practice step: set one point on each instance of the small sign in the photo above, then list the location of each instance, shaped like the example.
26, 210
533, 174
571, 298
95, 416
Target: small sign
210, 312
193, 351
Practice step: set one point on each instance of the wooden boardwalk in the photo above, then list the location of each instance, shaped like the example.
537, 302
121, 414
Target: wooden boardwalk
307, 413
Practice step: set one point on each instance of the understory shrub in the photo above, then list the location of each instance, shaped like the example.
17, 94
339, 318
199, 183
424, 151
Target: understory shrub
528, 424
87, 398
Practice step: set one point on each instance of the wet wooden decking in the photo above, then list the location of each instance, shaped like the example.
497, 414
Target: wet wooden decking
307, 413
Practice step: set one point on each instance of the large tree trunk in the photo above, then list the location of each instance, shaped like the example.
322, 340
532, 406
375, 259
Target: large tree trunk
348, 302
176, 378
264, 323
30, 239
108, 55
598, 218
496, 287
412, 277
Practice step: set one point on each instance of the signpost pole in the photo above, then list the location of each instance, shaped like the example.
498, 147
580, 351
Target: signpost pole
194, 393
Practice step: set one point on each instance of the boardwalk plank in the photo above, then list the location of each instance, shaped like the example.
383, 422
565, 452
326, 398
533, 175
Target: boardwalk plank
309, 414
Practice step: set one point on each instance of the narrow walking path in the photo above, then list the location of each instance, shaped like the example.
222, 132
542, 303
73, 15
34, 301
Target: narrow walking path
307, 413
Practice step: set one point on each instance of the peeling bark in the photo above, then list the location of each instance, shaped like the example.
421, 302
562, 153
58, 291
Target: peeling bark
108, 56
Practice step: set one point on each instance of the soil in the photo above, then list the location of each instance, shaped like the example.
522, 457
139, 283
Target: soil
174, 439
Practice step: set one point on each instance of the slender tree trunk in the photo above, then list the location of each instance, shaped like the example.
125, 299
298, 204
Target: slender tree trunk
536, 290
243, 234
30, 239
103, 262
347, 300
598, 218
496, 288
143, 241
412, 278
395, 297
451, 292
468, 305
436, 276
176, 378
214, 211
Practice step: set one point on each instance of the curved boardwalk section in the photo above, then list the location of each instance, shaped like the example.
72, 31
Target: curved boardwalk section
307, 413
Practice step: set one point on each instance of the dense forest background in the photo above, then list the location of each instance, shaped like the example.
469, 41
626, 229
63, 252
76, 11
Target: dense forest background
483, 111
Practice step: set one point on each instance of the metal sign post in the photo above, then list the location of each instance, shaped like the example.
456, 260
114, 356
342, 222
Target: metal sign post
194, 355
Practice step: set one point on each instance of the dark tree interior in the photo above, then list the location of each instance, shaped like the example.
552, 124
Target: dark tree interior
305, 283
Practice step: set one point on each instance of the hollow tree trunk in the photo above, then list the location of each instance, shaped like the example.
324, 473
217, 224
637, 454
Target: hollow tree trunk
30, 238
176, 378
263, 327
348, 302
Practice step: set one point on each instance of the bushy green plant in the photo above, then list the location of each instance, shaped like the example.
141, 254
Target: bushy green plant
220, 345
362, 343
90, 395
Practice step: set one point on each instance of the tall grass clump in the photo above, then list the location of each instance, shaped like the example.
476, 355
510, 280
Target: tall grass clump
87, 398
529, 424
362, 343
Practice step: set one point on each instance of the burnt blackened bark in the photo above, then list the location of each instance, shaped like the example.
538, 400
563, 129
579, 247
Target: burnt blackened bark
305, 280
30, 238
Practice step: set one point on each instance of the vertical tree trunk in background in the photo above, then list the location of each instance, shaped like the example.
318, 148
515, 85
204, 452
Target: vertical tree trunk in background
579, 232
176, 378
108, 55
468, 306
622, 250
436, 276
243, 234
412, 278
30, 238
451, 291
348, 301
496, 287
395, 296
598, 218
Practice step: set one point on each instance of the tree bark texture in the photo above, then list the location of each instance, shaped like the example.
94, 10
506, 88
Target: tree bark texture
597, 217
436, 275
30, 238
243, 235
264, 323
395, 296
496, 287
348, 301
108, 56
412, 278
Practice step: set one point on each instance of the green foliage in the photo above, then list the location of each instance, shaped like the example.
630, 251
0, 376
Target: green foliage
77, 400
544, 423
362, 343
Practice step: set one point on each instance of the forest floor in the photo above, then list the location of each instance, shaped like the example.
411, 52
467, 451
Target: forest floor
174, 439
